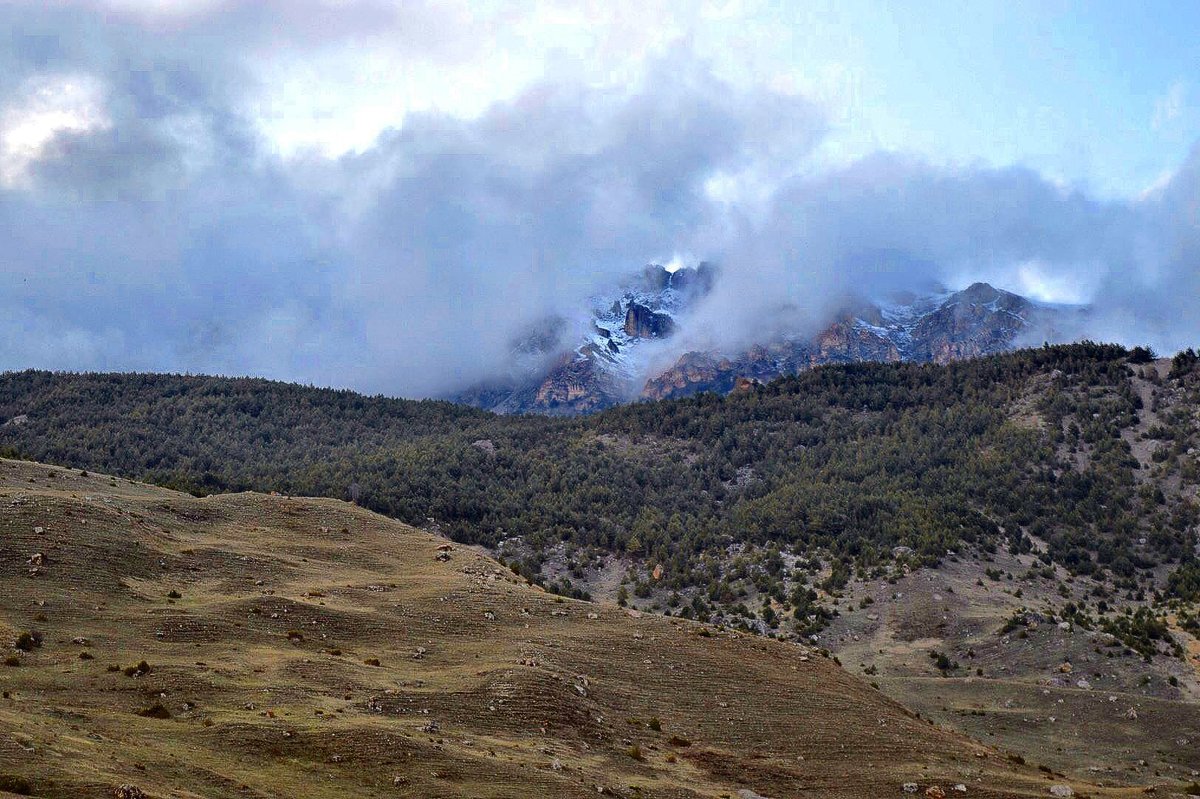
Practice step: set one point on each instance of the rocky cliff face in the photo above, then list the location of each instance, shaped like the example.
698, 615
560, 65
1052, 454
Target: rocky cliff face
609, 365
641, 322
848, 340
692, 373
980, 320
574, 385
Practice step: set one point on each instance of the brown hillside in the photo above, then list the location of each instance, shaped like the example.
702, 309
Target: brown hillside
308, 648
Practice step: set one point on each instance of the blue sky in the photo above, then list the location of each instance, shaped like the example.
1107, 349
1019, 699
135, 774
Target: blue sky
1099, 95
382, 194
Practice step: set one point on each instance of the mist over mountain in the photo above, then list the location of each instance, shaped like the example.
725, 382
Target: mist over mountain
149, 220
651, 337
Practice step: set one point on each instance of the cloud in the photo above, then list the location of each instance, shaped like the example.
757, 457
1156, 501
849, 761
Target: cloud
485, 227
889, 222
152, 221
1169, 107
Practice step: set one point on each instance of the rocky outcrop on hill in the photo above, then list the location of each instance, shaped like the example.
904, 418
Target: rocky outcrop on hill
848, 339
575, 385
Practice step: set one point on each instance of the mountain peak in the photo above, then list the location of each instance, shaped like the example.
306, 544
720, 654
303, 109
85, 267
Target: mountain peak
979, 289
983, 293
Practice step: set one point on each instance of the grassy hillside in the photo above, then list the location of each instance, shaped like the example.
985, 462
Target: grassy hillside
841, 465
258, 646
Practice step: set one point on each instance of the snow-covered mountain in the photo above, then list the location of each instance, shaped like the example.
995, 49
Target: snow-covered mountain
637, 326
606, 364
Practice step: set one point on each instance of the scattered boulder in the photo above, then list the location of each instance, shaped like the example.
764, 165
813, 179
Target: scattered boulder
910, 787
1061, 790
935, 792
129, 792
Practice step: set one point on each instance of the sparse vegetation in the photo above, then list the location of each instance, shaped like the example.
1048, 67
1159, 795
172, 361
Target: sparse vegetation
28, 641
155, 711
943, 662
137, 670
1142, 631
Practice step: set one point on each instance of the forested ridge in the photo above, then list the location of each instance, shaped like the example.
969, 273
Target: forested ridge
858, 464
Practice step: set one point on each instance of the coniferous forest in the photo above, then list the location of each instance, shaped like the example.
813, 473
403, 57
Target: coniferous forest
860, 465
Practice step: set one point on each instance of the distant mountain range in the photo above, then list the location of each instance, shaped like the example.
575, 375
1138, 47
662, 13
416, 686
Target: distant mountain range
629, 330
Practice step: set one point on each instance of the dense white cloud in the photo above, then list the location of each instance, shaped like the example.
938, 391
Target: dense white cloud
229, 188
45, 107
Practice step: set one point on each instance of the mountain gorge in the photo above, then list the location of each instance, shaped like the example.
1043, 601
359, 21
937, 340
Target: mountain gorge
629, 334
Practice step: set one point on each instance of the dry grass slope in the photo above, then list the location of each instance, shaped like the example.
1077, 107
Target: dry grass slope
264, 646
